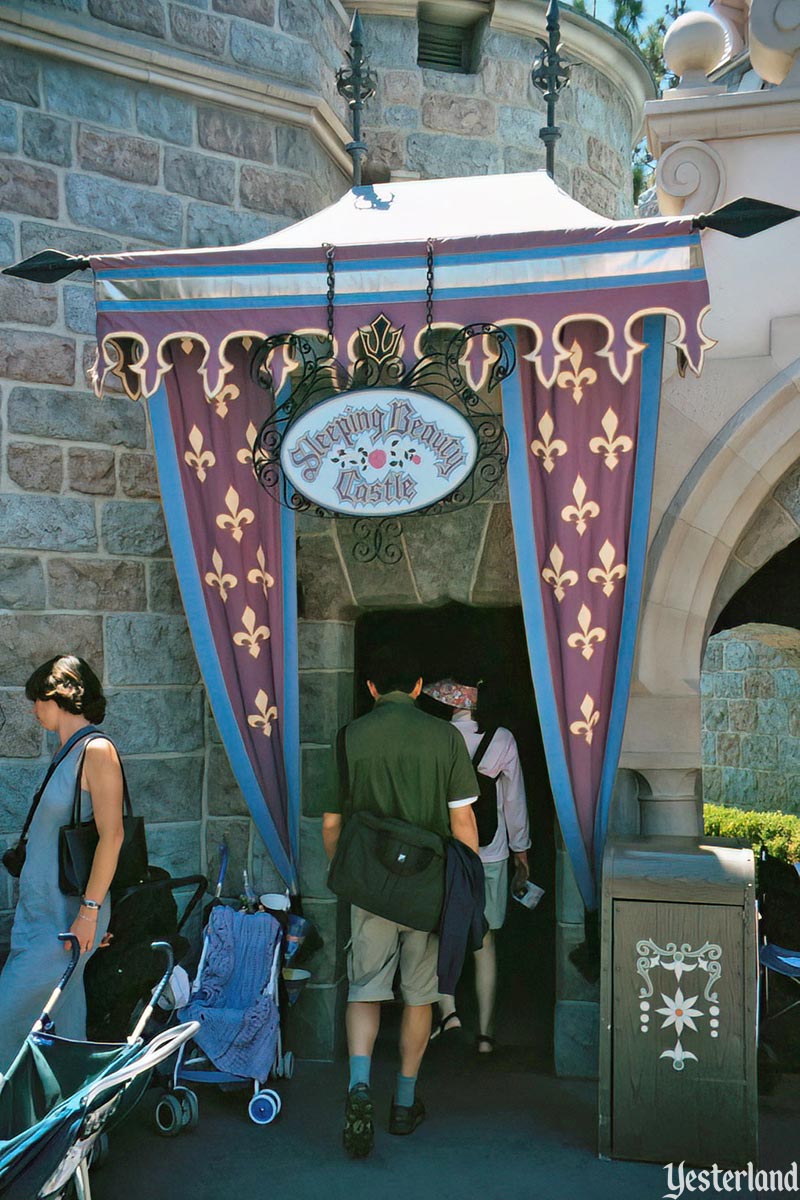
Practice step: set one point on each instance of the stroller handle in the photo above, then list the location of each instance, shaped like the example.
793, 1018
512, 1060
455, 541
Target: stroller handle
75, 953
162, 1046
157, 990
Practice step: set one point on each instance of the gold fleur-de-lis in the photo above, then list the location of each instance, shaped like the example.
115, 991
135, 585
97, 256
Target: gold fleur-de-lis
582, 510
609, 572
260, 574
252, 635
583, 640
236, 517
218, 578
591, 716
186, 345
549, 448
556, 576
267, 713
245, 455
225, 394
611, 446
198, 458
580, 376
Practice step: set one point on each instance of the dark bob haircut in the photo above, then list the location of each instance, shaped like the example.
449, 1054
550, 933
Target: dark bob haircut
72, 684
393, 670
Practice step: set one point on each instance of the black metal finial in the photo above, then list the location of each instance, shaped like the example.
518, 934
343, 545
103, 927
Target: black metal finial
357, 84
550, 75
48, 266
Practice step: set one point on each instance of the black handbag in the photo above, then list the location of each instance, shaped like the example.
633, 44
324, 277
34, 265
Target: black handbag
14, 858
77, 843
391, 868
485, 807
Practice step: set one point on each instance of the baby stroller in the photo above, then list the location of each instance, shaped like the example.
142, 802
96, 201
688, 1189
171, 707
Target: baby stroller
779, 908
236, 1003
59, 1096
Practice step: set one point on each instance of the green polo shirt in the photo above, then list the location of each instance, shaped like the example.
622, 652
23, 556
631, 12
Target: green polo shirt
404, 763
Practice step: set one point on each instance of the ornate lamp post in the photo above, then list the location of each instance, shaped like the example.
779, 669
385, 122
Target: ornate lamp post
356, 84
550, 75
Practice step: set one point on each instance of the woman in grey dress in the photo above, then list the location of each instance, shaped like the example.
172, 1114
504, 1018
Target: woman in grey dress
67, 700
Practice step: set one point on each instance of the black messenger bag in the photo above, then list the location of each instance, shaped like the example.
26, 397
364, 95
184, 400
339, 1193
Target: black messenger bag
391, 868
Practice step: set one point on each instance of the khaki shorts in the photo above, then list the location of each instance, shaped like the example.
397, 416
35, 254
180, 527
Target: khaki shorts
378, 947
496, 879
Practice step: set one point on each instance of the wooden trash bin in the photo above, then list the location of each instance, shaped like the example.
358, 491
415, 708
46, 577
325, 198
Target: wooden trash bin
679, 1002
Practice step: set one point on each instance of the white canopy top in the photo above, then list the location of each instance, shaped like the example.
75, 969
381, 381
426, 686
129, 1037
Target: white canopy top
412, 211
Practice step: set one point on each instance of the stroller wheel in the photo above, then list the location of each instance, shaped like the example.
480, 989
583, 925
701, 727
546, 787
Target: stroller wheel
169, 1115
264, 1106
287, 1065
190, 1107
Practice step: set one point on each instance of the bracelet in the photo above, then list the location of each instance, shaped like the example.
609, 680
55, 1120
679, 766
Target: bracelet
91, 920
89, 903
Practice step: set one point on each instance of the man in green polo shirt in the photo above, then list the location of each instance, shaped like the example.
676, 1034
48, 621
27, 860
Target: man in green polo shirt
400, 763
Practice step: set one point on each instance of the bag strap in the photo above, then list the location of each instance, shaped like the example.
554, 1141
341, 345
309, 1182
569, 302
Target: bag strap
482, 747
342, 768
59, 758
127, 808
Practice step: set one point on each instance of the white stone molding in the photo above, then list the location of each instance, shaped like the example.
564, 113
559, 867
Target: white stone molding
718, 118
697, 43
775, 40
157, 66
734, 11
690, 178
670, 800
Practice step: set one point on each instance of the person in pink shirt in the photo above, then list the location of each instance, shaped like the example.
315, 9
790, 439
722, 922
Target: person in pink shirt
499, 760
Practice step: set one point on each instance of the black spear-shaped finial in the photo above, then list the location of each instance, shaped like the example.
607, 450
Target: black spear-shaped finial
550, 75
356, 83
48, 266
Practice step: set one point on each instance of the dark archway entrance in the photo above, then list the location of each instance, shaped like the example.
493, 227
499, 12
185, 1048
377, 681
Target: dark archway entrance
489, 644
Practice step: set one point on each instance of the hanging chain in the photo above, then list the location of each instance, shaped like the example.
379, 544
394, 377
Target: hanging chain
429, 287
330, 269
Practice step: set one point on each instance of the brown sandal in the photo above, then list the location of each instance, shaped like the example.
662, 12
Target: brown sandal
484, 1044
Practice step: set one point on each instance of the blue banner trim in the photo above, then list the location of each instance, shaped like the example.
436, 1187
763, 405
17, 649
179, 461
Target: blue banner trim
649, 398
291, 679
533, 613
200, 629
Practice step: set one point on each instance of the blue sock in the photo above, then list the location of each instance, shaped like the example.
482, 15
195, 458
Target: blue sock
359, 1069
404, 1090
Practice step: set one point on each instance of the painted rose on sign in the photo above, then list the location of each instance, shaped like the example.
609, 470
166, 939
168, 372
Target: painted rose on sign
378, 452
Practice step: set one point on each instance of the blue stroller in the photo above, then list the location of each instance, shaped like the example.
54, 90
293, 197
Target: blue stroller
235, 1001
59, 1097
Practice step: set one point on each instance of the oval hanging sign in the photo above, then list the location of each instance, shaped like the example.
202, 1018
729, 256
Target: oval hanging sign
377, 452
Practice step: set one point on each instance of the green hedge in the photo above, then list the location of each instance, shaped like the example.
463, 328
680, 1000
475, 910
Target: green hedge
779, 832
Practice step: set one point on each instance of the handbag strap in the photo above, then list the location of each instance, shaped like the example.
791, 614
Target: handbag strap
59, 758
127, 808
343, 769
482, 747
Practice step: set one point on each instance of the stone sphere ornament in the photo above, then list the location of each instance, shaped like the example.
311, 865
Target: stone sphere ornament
695, 44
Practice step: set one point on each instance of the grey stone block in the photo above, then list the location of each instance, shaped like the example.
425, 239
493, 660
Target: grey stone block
738, 656
401, 116
163, 588
325, 645
738, 787
496, 581
166, 117
787, 682
122, 156
375, 583
241, 135
47, 523
438, 155
122, 208
236, 832
319, 780
576, 1039
787, 493
91, 470
728, 750
79, 309
25, 188
793, 717
262, 11
199, 175
594, 192
145, 16
35, 237
18, 783
47, 139
462, 533
8, 252
715, 714
789, 755
97, 585
273, 53
326, 703
759, 685
137, 476
392, 42
773, 716
35, 466
26, 641
302, 17
198, 30
729, 684
312, 1022
223, 792
569, 905
324, 593
20, 732
90, 95
176, 848
166, 789
707, 679
215, 225
19, 77
713, 657
134, 527
709, 748
21, 582
712, 785
294, 196
266, 877
150, 650
570, 983
156, 720
76, 416
9, 138
313, 861
27, 303
37, 358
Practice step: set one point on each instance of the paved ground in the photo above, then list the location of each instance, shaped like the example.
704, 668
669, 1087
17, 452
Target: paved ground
499, 1132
